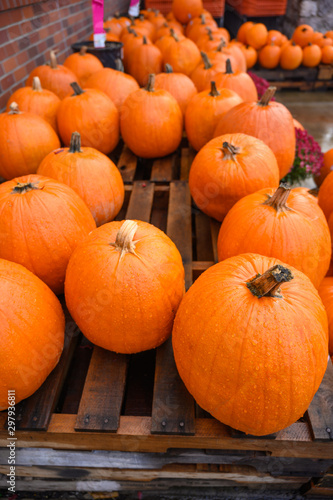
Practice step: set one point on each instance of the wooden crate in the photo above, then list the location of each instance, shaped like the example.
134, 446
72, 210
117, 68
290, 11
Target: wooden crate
301, 78
99, 400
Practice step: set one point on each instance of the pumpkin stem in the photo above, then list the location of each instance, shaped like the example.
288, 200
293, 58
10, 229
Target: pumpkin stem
151, 83
119, 65
203, 18
14, 109
268, 284
145, 40
76, 87
168, 68
206, 60
228, 67
229, 151
124, 240
210, 34
75, 144
279, 199
24, 187
221, 45
173, 34
36, 85
314, 192
165, 25
83, 50
267, 96
213, 90
53, 60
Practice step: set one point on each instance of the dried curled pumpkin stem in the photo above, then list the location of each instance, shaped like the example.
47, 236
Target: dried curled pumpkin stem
14, 109
221, 45
151, 83
76, 87
75, 144
24, 187
173, 34
279, 199
267, 96
228, 67
206, 60
268, 284
36, 85
124, 240
83, 50
229, 151
213, 90
210, 34
53, 59
168, 68
203, 18
145, 41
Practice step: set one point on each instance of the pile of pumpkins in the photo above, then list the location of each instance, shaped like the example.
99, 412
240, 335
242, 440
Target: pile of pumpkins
250, 337
271, 48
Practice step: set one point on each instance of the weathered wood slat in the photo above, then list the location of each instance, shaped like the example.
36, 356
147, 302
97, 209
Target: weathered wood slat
215, 228
164, 169
141, 201
36, 411
320, 411
186, 159
127, 164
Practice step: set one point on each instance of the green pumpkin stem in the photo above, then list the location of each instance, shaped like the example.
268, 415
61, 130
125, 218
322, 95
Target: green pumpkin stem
267, 96
279, 199
268, 284
75, 144
36, 85
229, 151
151, 83
14, 109
124, 240
213, 90
228, 69
168, 68
76, 87
24, 187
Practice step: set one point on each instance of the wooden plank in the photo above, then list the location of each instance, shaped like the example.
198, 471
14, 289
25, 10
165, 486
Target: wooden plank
164, 169
141, 201
320, 411
103, 392
215, 228
127, 164
36, 411
198, 265
203, 242
186, 159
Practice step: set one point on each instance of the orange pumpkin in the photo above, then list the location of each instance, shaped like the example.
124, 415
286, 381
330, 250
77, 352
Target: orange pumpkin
250, 343
166, 27
326, 168
167, 40
281, 215
54, 77
110, 273
250, 55
183, 56
297, 124
329, 34
326, 294
42, 221
144, 60
178, 85
185, 10
233, 49
204, 111
83, 65
92, 175
269, 56
156, 17
91, 113
141, 23
32, 329
239, 82
326, 40
38, 101
115, 84
25, 139
317, 38
241, 33
274, 36
291, 56
311, 55
227, 169
205, 72
151, 122
325, 198
302, 35
268, 121
131, 41
198, 27
257, 35
222, 53
116, 24
210, 41
327, 54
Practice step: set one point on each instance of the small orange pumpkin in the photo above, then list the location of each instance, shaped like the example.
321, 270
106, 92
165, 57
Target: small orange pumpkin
110, 273
241, 33
274, 36
185, 10
238, 81
311, 55
269, 56
327, 167
83, 65
116, 24
205, 72
327, 54
326, 40
257, 35
297, 124
144, 60
183, 56
180, 86
250, 55
302, 35
317, 38
198, 27
291, 56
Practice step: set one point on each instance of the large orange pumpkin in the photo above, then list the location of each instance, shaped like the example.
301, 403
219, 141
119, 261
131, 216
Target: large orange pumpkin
326, 168
42, 221
238, 81
227, 169
124, 285
54, 77
185, 10
204, 111
91, 174
267, 120
326, 294
25, 139
36, 100
91, 113
250, 341
180, 86
144, 60
284, 215
83, 65
303, 35
183, 56
32, 328
151, 122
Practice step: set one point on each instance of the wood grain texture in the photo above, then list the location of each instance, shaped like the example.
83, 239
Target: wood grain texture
141, 201
320, 411
164, 169
127, 164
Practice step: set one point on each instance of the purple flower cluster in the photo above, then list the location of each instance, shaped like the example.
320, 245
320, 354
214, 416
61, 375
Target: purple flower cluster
260, 83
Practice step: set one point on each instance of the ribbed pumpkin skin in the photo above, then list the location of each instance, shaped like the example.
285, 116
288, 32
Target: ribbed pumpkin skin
299, 236
125, 304
216, 184
144, 60
94, 116
254, 364
40, 228
180, 87
83, 65
57, 80
32, 329
239, 82
92, 175
43, 103
183, 56
115, 84
25, 139
326, 294
273, 124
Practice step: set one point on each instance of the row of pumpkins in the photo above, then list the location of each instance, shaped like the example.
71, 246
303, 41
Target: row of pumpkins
124, 281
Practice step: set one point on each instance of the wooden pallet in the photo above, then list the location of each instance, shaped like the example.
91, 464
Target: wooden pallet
301, 78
